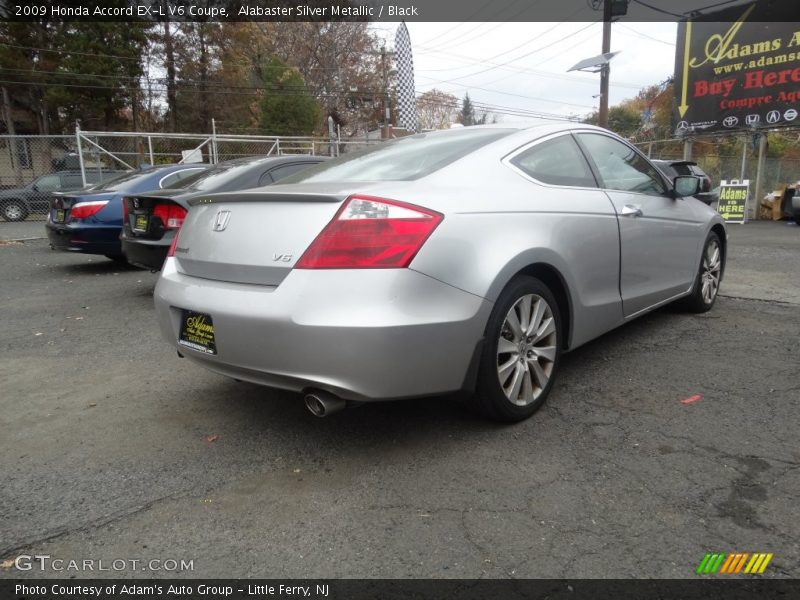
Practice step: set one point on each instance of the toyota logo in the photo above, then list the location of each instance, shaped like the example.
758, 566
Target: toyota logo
730, 121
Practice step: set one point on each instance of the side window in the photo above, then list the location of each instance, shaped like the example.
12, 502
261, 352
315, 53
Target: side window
266, 179
558, 162
74, 182
49, 183
622, 168
279, 173
174, 179
169, 180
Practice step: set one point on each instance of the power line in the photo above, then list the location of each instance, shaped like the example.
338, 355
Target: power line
666, 12
644, 35
450, 44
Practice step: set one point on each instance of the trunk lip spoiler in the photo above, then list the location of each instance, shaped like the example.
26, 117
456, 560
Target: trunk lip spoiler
267, 197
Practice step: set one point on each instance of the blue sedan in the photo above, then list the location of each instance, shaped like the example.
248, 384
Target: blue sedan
91, 220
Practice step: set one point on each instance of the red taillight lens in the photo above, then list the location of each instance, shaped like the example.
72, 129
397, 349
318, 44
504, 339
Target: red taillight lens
171, 215
125, 210
371, 233
173, 245
83, 210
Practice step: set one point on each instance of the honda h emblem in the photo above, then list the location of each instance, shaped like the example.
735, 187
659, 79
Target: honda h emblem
221, 220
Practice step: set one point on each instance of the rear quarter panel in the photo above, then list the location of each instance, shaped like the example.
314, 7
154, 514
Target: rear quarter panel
497, 223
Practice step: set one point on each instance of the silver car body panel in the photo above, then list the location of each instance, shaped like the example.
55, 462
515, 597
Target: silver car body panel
362, 334
389, 333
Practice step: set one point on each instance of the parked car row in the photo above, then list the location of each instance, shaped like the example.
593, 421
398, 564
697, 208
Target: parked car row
468, 259
133, 217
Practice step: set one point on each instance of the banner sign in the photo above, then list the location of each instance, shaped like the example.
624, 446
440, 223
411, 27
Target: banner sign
737, 74
733, 200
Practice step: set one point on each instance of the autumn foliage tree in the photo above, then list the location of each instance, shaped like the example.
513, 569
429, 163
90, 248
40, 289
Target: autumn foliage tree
436, 109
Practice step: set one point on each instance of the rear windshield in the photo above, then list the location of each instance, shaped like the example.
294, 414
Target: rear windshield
217, 177
403, 159
123, 182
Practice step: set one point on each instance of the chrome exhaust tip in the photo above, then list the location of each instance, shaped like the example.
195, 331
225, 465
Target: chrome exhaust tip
322, 404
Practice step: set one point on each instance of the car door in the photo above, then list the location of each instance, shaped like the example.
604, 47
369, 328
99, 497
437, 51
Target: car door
658, 234
584, 227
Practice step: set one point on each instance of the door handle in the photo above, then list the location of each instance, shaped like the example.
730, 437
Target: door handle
631, 210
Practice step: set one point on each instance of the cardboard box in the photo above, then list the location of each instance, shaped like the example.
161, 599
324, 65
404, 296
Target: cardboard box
772, 203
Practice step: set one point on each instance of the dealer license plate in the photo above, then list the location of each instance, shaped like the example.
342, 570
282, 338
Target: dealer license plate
197, 332
141, 222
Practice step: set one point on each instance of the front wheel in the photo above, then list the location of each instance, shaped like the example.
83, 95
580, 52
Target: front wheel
13, 210
706, 283
522, 351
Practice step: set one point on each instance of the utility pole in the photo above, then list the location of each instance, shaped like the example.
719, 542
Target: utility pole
602, 117
386, 113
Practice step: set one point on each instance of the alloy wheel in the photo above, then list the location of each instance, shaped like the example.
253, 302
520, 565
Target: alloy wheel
526, 349
711, 271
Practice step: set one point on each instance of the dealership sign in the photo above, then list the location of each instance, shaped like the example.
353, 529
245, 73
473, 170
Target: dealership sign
737, 74
733, 200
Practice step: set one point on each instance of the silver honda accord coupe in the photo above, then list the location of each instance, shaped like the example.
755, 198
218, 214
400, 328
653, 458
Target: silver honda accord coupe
468, 259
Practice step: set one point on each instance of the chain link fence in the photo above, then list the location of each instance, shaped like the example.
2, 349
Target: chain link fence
32, 168
741, 165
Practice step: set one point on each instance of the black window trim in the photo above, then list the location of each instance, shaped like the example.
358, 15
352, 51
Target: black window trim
507, 160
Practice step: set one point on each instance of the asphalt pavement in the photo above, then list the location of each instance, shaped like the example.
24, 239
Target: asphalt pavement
116, 449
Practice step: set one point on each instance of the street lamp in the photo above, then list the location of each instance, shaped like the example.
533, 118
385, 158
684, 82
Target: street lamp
598, 64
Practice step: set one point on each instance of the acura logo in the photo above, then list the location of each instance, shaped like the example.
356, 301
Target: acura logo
221, 220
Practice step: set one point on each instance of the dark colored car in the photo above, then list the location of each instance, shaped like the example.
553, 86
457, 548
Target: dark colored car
793, 204
91, 221
152, 219
673, 168
16, 204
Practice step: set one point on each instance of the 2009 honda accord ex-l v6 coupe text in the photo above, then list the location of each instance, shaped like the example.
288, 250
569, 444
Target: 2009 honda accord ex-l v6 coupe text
466, 259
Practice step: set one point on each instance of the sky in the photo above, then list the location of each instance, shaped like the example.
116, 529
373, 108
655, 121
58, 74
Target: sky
522, 67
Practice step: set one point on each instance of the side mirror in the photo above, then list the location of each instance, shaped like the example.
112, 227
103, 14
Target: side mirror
685, 185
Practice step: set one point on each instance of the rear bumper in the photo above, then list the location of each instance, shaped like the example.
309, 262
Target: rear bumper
78, 238
148, 254
360, 334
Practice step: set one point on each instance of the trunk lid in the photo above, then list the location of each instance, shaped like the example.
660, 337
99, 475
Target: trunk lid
253, 237
148, 215
61, 204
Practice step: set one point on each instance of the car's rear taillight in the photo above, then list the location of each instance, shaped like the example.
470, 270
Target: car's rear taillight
125, 209
83, 210
371, 233
171, 215
173, 245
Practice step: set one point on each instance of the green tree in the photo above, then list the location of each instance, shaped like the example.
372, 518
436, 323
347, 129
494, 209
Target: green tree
467, 114
623, 120
99, 74
287, 107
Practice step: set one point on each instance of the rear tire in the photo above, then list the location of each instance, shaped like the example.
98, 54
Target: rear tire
13, 210
522, 351
708, 278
